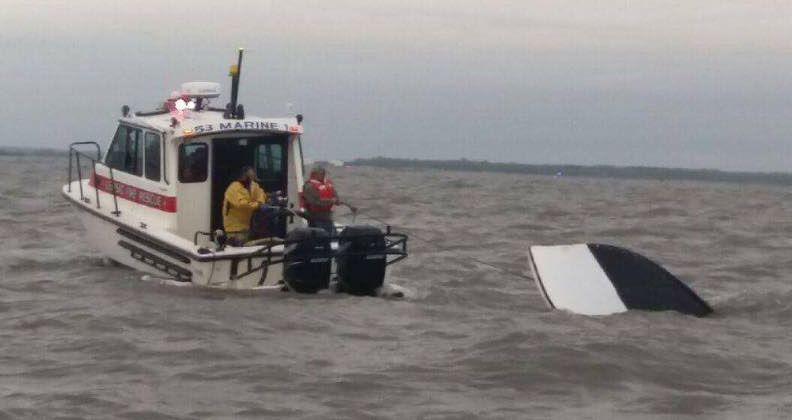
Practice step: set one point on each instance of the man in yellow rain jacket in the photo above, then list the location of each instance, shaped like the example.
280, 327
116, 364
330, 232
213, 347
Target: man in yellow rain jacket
241, 199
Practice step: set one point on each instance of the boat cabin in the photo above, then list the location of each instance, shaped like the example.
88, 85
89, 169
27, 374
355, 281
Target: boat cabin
171, 167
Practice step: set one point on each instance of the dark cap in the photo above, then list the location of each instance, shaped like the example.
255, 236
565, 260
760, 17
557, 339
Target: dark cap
243, 171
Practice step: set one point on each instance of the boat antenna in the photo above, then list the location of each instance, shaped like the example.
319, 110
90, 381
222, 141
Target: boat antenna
232, 109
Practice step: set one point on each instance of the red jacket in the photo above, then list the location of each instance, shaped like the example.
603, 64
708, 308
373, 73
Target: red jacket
326, 191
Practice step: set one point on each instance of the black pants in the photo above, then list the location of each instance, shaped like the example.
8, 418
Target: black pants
323, 223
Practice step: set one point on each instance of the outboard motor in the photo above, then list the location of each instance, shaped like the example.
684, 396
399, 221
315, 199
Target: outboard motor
306, 262
361, 260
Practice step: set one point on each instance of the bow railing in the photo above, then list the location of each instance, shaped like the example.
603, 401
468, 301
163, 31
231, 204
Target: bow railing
74, 161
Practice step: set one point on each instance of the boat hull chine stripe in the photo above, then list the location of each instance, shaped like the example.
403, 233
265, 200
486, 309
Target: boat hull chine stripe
179, 273
166, 251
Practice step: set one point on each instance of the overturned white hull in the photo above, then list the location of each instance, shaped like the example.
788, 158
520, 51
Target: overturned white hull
597, 279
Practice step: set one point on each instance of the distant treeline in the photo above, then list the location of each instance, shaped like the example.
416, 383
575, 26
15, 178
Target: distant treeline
28, 151
601, 171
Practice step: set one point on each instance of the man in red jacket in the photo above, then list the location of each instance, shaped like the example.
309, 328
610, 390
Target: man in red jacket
319, 198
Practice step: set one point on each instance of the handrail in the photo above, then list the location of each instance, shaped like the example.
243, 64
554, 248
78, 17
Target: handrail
113, 190
79, 175
75, 154
96, 190
73, 151
164, 148
395, 245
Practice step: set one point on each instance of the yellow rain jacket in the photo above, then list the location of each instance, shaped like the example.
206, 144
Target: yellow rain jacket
239, 204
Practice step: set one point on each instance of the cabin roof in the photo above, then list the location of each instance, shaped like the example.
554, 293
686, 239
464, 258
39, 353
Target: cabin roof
211, 121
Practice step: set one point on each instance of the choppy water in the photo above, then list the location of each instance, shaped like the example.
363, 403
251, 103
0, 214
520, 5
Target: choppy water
82, 340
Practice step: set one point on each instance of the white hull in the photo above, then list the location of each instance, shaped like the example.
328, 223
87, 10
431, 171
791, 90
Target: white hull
148, 250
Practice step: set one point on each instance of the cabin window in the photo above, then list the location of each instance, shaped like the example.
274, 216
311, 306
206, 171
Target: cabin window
193, 159
153, 156
269, 161
126, 151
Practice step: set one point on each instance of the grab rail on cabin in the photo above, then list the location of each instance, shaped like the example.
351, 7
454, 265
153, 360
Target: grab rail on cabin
74, 154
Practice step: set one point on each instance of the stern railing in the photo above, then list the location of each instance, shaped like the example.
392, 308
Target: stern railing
394, 245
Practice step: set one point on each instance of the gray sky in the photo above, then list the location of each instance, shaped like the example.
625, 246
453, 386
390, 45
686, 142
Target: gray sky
703, 83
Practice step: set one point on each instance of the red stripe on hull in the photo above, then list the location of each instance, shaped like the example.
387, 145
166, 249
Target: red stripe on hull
135, 194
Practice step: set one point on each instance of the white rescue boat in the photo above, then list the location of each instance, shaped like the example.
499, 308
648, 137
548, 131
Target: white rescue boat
153, 200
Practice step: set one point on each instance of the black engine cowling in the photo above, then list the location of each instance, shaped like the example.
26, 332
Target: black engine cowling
306, 263
361, 261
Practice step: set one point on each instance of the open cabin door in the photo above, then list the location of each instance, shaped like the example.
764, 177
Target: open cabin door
268, 154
